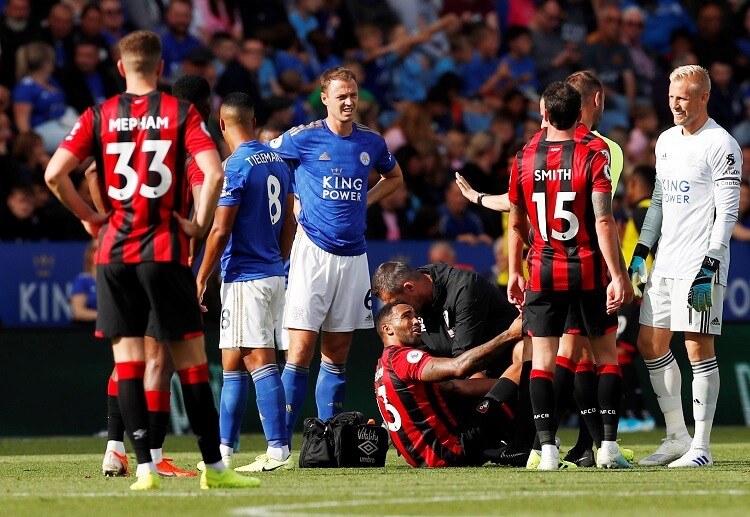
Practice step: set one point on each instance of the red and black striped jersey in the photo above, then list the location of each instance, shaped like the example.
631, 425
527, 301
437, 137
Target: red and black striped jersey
140, 144
419, 421
554, 182
582, 135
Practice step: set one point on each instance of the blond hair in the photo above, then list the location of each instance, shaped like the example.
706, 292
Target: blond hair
338, 73
696, 75
32, 57
140, 52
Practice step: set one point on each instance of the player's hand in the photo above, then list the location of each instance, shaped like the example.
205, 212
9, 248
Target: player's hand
637, 270
468, 192
619, 293
200, 287
516, 289
188, 227
699, 297
516, 328
93, 224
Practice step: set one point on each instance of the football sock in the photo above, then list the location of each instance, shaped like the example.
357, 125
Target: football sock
133, 407
705, 394
278, 453
505, 391
565, 371
543, 403
115, 424
201, 412
158, 419
232, 406
587, 398
525, 427
294, 379
610, 394
629, 380
269, 394
330, 389
667, 383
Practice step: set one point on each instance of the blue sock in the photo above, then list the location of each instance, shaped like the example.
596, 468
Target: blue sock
232, 407
330, 390
269, 394
294, 380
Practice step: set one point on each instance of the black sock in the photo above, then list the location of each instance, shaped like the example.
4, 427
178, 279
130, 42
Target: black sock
158, 416
115, 425
525, 428
586, 395
563, 388
543, 403
610, 391
201, 412
133, 407
505, 391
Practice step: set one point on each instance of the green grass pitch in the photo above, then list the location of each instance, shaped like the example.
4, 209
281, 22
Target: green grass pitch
62, 476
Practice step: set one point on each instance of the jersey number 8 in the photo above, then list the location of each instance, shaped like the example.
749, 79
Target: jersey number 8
124, 152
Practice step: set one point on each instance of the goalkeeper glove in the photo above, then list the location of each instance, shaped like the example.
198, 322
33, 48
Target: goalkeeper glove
637, 269
699, 297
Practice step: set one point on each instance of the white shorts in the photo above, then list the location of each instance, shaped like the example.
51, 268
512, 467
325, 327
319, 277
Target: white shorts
327, 291
665, 306
280, 334
249, 311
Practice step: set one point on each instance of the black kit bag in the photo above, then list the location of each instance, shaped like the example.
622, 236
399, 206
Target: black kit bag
346, 440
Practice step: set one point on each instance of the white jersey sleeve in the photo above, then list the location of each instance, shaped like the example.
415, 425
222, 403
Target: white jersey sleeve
726, 163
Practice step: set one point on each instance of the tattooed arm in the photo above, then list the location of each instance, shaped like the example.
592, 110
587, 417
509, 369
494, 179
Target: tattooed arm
471, 361
619, 291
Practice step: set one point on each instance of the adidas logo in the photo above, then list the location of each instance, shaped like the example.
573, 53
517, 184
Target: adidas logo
697, 402
715, 321
664, 156
324, 157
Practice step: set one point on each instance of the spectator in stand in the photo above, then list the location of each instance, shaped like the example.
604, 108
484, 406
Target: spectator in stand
741, 230
18, 222
458, 222
554, 58
303, 17
473, 11
89, 80
516, 69
663, 17
290, 55
39, 103
59, 33
414, 15
91, 29
741, 131
214, 16
387, 219
225, 49
291, 86
484, 61
413, 127
483, 154
714, 41
725, 104
199, 61
175, 37
30, 158
258, 15
145, 14
17, 28
644, 66
77, 7
320, 52
242, 74
645, 128
610, 60
498, 273
114, 26
455, 149
443, 251
83, 293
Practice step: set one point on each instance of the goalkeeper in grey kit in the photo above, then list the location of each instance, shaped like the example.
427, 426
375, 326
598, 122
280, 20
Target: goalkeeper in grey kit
692, 213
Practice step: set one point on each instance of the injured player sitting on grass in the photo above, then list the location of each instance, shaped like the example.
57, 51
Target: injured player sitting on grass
436, 417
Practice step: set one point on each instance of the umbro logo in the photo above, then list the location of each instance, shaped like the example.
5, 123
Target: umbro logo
697, 402
715, 321
324, 157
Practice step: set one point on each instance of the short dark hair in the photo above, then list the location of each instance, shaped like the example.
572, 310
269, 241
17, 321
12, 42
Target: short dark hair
586, 82
390, 276
384, 314
647, 174
242, 104
563, 103
195, 89
338, 73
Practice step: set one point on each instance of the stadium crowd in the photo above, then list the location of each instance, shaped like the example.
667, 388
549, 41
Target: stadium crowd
452, 85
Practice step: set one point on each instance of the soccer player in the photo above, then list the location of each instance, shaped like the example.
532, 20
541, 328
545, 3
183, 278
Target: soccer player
434, 415
159, 368
329, 280
693, 211
573, 245
252, 234
139, 139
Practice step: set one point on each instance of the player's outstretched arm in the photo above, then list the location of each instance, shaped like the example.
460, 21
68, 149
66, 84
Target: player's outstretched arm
472, 361
216, 243
386, 186
288, 228
499, 202
58, 180
518, 225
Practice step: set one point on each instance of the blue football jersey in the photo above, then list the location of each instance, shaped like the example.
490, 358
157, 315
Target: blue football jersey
331, 181
258, 181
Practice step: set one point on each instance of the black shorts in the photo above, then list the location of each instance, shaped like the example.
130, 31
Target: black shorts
155, 299
554, 313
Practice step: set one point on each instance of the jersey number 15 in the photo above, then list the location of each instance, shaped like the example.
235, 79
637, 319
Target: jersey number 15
540, 200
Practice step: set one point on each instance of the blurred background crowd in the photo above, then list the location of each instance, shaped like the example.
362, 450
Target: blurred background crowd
453, 85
